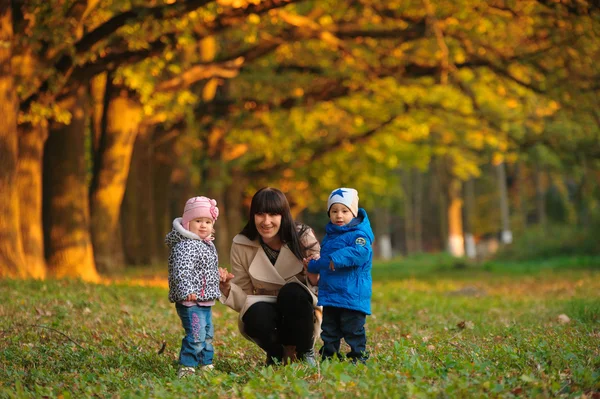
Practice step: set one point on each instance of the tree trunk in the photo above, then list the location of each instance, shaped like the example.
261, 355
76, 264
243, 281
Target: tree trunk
11, 248
110, 176
506, 236
383, 238
163, 144
418, 210
409, 231
521, 194
31, 151
215, 177
66, 216
137, 211
235, 216
469, 216
540, 196
439, 190
99, 88
584, 198
455, 229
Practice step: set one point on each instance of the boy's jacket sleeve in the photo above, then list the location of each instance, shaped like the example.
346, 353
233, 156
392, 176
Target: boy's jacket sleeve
354, 255
315, 266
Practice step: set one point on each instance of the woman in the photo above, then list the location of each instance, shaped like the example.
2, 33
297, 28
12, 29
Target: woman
268, 285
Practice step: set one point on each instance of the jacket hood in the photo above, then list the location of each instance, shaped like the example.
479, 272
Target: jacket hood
359, 223
178, 234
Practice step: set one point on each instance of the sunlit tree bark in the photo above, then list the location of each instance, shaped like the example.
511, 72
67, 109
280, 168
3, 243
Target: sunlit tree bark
110, 176
66, 216
11, 249
31, 151
456, 243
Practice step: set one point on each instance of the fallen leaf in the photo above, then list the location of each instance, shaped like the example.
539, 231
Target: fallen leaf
465, 324
162, 348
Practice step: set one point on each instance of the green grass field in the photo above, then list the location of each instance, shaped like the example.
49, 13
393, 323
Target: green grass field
439, 328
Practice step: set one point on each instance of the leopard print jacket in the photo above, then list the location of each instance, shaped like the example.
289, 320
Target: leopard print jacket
193, 265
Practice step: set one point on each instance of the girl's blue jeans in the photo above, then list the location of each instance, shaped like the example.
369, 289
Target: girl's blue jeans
196, 346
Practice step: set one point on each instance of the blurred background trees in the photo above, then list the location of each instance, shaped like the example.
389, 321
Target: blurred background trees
457, 121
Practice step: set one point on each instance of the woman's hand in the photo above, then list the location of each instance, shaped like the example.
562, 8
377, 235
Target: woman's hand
224, 278
313, 278
305, 261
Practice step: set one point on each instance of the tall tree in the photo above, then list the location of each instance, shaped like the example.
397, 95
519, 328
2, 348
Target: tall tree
469, 218
113, 159
32, 138
66, 215
506, 236
11, 249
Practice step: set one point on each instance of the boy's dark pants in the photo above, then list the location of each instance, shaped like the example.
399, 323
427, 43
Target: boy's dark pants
341, 323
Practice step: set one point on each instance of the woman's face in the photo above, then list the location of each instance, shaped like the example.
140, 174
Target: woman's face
267, 225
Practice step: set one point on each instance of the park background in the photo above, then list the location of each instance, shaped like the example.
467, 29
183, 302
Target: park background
471, 130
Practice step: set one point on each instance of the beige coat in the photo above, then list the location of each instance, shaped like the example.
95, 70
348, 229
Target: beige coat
256, 279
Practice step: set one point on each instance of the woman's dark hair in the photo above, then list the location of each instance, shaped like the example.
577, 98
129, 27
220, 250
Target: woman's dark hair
272, 200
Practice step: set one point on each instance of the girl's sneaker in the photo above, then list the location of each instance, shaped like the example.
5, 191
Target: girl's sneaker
207, 367
185, 371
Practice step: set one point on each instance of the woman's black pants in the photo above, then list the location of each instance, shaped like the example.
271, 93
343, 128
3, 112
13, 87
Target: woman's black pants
289, 321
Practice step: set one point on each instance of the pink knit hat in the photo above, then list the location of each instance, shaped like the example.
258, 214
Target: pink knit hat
199, 207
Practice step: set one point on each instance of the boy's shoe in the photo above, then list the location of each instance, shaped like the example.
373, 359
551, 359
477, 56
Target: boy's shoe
310, 358
207, 367
185, 371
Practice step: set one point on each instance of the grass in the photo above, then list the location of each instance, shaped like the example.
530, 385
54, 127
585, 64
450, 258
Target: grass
439, 328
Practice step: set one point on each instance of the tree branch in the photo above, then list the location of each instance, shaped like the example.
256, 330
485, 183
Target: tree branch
227, 69
324, 149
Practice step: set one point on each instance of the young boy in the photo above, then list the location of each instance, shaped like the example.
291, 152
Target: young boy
194, 281
345, 281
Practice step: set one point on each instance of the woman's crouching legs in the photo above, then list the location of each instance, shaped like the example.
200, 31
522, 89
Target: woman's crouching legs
296, 322
260, 324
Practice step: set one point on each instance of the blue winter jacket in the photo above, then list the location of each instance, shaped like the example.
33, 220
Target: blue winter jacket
350, 249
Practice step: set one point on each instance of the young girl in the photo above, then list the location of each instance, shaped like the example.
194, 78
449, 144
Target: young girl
194, 281
344, 269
